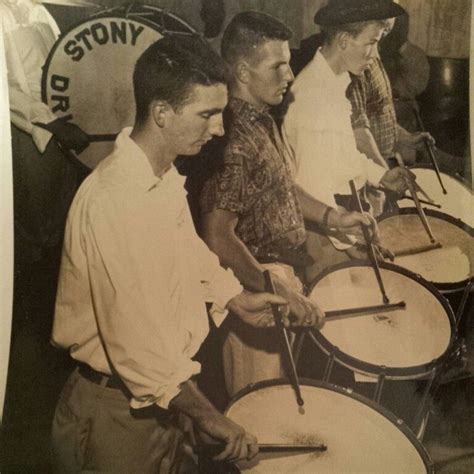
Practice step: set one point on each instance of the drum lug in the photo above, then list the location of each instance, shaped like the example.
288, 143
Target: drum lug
330, 364
380, 384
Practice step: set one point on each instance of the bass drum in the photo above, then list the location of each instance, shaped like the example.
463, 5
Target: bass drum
359, 436
459, 200
88, 75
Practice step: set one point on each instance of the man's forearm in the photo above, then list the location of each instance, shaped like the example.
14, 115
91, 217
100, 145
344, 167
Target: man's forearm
367, 145
192, 402
314, 210
233, 254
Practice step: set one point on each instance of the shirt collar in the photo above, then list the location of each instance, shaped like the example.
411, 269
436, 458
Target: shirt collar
248, 112
138, 166
337, 81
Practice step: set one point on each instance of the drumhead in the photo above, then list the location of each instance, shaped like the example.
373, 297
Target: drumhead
407, 343
88, 73
360, 436
448, 267
459, 200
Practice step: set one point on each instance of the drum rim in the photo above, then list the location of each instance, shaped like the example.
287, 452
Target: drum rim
367, 368
398, 422
448, 287
96, 16
458, 178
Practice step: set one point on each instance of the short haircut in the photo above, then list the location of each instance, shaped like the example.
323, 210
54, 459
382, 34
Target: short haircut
354, 29
247, 31
169, 69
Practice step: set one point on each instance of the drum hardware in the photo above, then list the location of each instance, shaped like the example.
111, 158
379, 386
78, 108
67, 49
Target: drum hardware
462, 305
424, 400
285, 347
380, 382
430, 150
215, 449
370, 249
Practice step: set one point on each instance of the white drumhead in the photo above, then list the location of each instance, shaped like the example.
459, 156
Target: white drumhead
453, 263
404, 338
89, 77
458, 202
358, 438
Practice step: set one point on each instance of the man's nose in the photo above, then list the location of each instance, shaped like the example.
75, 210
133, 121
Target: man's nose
289, 76
216, 126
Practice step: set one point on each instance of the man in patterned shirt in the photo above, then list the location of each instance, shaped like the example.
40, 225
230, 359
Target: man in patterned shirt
251, 217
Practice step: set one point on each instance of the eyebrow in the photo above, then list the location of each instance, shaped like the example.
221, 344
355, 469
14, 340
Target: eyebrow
214, 111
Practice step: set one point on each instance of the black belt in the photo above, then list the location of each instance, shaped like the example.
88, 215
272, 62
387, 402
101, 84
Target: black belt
297, 258
104, 380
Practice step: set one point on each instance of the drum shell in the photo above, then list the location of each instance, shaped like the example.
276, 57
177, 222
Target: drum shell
459, 200
444, 287
309, 387
373, 370
87, 77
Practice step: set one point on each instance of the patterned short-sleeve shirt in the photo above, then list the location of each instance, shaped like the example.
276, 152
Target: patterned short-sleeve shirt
254, 180
372, 106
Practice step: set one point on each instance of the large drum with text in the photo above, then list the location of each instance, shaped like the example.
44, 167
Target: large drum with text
359, 436
88, 75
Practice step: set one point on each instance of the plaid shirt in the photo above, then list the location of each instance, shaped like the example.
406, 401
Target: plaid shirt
372, 106
255, 181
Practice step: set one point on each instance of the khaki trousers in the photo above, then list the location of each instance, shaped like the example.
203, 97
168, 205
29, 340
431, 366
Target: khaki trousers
251, 355
95, 430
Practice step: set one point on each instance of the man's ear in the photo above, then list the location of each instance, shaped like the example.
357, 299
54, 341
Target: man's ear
343, 39
241, 71
160, 111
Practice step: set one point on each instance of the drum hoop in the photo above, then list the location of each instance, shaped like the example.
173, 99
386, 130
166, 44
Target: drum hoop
398, 422
459, 179
129, 14
107, 13
444, 287
366, 368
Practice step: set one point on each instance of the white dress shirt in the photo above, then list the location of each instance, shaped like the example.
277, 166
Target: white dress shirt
135, 278
318, 129
29, 34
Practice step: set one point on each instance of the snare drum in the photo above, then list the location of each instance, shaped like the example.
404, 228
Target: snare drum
88, 74
459, 200
448, 268
409, 344
360, 436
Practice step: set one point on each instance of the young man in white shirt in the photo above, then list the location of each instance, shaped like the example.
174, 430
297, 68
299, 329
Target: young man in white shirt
318, 122
135, 278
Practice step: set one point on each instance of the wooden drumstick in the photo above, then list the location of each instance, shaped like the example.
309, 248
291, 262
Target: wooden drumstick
285, 347
429, 147
215, 449
419, 208
370, 249
338, 314
422, 201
